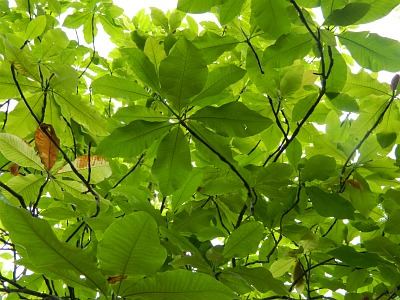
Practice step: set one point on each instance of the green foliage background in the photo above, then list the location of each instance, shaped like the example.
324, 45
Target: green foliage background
206, 176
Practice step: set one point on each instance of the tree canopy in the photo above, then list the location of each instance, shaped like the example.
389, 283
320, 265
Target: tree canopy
255, 157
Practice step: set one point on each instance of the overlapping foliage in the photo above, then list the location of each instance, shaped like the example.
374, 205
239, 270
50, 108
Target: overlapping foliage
189, 164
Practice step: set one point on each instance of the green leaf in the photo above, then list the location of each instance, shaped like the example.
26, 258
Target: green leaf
218, 80
338, 76
77, 19
294, 152
18, 151
348, 15
173, 163
159, 19
127, 242
350, 256
35, 28
330, 204
189, 188
261, 279
229, 10
383, 246
82, 112
141, 66
138, 112
132, 139
116, 87
244, 240
180, 285
155, 52
328, 6
232, 119
197, 6
386, 139
372, 51
271, 16
47, 253
183, 73
362, 200
26, 186
319, 167
287, 49
212, 45
379, 9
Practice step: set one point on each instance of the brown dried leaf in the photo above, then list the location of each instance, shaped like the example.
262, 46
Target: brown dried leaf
99, 168
47, 150
112, 280
355, 184
14, 169
298, 277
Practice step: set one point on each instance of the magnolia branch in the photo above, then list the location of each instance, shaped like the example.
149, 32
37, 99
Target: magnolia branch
325, 72
367, 134
65, 156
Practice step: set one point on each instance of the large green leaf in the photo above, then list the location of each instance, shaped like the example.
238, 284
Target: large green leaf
271, 16
229, 10
197, 6
35, 27
138, 112
372, 51
350, 256
183, 73
18, 151
244, 240
47, 253
348, 15
180, 285
330, 204
118, 88
25, 186
131, 140
82, 112
318, 167
212, 45
141, 66
287, 49
384, 247
232, 119
379, 9
173, 163
218, 80
131, 247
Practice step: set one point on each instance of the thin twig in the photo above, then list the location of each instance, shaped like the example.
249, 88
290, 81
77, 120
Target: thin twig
65, 156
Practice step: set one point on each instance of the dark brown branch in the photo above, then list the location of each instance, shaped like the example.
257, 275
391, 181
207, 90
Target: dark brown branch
65, 156
253, 50
127, 174
367, 134
94, 49
15, 194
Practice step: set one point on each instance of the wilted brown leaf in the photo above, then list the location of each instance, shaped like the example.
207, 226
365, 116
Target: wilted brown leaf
14, 169
355, 184
112, 280
47, 150
298, 277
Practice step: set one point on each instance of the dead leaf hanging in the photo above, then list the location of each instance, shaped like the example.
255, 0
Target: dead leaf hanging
14, 169
47, 150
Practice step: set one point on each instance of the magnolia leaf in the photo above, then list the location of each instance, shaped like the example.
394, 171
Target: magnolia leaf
98, 166
47, 145
180, 285
18, 151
